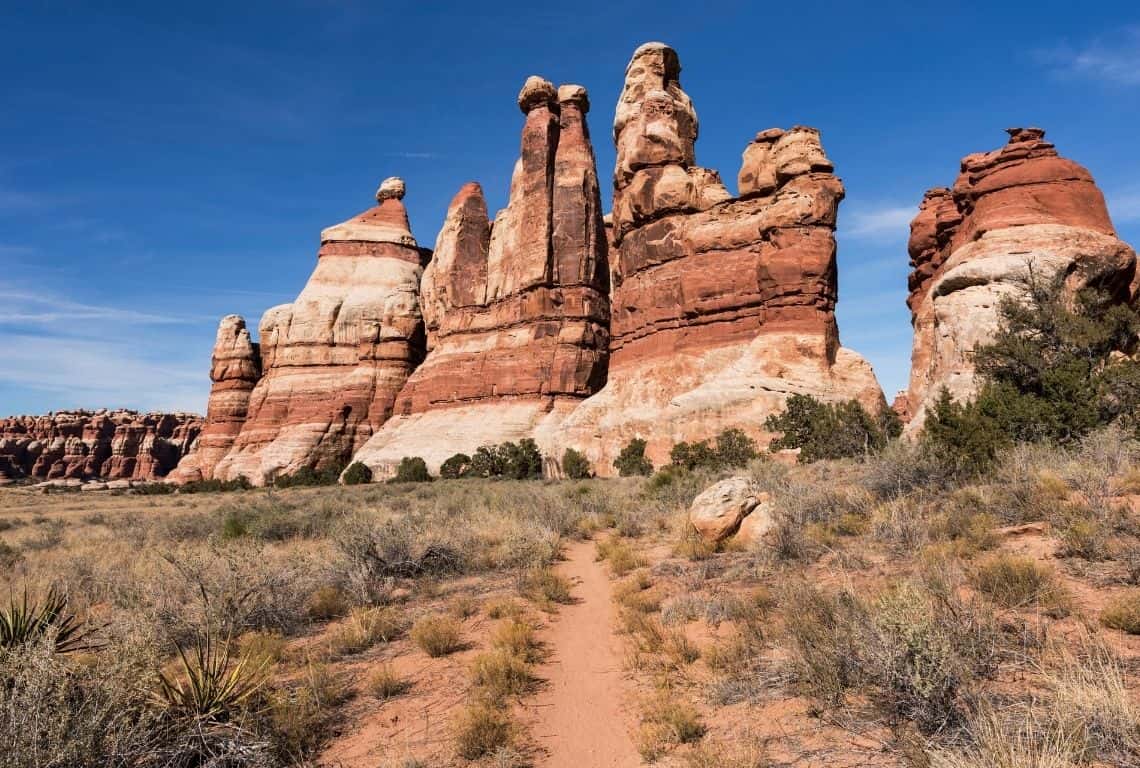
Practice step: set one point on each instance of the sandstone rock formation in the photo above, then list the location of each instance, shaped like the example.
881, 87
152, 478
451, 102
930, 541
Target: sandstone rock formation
1016, 208
722, 307
333, 360
517, 311
235, 369
83, 445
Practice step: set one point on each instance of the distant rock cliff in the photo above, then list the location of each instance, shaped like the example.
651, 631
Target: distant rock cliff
87, 445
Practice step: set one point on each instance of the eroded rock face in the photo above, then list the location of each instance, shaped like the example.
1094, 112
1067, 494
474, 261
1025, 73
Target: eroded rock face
83, 445
721, 307
336, 357
235, 369
1011, 210
517, 311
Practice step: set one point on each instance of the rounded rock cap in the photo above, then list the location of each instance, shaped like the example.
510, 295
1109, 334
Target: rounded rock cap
668, 56
536, 92
574, 94
392, 188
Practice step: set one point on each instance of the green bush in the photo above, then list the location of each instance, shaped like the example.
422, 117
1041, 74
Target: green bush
575, 465
733, 449
214, 485
516, 461
1050, 374
455, 467
632, 461
830, 430
307, 477
357, 473
412, 469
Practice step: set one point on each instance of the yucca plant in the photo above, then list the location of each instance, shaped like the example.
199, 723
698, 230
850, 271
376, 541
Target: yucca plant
212, 684
23, 622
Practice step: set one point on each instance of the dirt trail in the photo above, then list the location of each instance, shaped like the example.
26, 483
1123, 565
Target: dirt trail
581, 718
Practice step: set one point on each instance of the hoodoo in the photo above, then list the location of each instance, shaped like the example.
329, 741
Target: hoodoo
517, 310
722, 307
1014, 211
234, 371
333, 360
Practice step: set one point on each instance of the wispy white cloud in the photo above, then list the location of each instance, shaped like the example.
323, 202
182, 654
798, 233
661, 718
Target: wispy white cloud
1114, 58
1124, 206
27, 307
414, 155
881, 222
93, 373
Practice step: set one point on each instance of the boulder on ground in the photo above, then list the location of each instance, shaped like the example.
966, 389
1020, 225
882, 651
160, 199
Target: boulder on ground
718, 512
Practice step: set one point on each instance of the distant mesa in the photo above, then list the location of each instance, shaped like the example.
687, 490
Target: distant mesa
95, 445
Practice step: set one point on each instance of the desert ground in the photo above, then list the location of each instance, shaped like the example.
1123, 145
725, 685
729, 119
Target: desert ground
892, 617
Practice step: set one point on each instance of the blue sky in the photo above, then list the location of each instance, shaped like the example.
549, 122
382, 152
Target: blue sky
163, 164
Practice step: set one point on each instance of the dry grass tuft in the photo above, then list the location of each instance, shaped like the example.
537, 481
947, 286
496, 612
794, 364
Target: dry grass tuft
1123, 613
1016, 581
481, 730
667, 722
620, 555
437, 635
384, 682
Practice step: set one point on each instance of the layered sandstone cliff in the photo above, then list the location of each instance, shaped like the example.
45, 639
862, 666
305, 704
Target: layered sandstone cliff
1010, 211
517, 310
86, 445
722, 307
333, 360
234, 371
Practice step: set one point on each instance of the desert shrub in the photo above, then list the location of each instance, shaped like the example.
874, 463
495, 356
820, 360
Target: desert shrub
999, 742
1050, 373
215, 485
830, 430
545, 585
1015, 581
575, 465
667, 722
58, 713
263, 647
481, 729
1092, 698
412, 469
1123, 613
499, 673
455, 466
155, 489
302, 715
904, 466
632, 461
357, 473
732, 448
619, 554
514, 461
326, 602
918, 649
212, 684
364, 628
307, 477
47, 620
437, 635
517, 637
384, 682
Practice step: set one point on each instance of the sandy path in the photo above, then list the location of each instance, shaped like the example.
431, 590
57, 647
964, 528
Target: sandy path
581, 720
